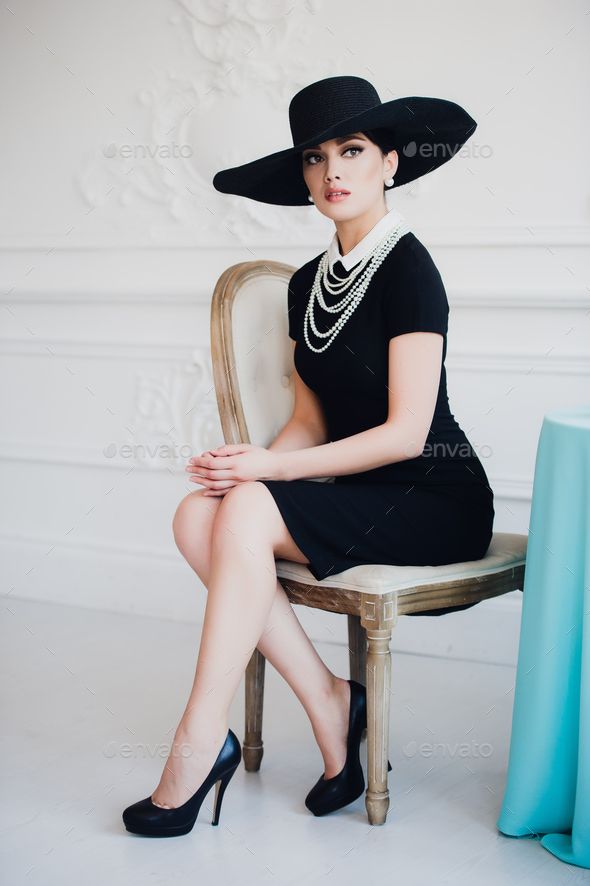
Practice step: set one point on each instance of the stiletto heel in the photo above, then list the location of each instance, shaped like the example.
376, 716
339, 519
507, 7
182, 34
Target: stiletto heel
219, 792
145, 818
329, 794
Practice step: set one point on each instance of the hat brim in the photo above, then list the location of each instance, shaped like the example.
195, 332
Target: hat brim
427, 132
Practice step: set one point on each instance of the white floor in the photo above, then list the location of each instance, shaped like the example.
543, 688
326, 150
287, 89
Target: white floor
91, 701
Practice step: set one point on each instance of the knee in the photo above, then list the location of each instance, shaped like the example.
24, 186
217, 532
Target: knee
245, 508
193, 519
240, 500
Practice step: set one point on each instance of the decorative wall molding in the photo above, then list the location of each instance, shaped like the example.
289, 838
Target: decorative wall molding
80, 544
191, 296
181, 353
218, 33
518, 362
509, 488
293, 225
187, 108
533, 299
174, 415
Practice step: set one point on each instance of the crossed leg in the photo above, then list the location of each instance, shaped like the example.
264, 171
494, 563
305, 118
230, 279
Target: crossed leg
231, 543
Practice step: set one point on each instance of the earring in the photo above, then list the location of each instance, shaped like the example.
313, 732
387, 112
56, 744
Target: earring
310, 198
389, 182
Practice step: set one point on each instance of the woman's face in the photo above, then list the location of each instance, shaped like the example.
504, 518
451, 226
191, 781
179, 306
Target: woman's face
353, 164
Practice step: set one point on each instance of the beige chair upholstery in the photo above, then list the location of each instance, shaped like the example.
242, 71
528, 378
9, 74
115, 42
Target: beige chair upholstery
252, 364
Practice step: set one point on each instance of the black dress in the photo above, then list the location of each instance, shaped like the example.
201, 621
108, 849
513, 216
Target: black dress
432, 509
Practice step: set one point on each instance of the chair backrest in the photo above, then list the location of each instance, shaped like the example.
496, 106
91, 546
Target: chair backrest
251, 352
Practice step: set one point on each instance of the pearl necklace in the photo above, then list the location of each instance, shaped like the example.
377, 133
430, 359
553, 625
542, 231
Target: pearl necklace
356, 284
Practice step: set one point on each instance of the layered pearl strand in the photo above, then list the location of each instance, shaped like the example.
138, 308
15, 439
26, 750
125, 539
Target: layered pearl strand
355, 286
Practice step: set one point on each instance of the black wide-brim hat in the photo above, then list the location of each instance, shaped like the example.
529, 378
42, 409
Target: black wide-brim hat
426, 132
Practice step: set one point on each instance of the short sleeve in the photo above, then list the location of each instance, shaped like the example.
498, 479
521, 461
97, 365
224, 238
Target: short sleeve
416, 300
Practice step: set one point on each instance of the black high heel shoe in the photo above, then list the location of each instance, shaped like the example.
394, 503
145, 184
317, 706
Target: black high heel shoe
329, 794
144, 817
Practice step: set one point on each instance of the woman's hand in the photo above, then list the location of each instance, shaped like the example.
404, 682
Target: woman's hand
220, 469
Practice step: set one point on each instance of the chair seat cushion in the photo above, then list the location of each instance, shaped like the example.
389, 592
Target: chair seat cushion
506, 551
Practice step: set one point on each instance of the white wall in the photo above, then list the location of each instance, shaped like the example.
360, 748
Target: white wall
116, 117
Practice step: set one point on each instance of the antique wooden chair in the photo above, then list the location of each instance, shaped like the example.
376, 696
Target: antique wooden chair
252, 364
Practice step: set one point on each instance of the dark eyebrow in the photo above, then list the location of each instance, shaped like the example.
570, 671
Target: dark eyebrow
340, 140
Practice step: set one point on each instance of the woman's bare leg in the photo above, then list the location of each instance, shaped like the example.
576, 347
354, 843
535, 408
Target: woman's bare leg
246, 608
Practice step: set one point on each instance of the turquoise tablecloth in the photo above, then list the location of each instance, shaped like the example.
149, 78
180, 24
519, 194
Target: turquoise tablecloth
548, 781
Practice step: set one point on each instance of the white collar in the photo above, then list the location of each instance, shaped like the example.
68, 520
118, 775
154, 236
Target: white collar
364, 246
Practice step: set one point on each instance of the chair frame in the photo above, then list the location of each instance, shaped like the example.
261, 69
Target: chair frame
371, 617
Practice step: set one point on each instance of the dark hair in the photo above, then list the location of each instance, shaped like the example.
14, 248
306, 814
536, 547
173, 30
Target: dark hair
384, 139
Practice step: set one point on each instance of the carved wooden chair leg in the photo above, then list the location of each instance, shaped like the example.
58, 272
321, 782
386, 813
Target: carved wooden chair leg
378, 616
252, 747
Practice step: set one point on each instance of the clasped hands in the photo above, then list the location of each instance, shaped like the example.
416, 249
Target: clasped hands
224, 467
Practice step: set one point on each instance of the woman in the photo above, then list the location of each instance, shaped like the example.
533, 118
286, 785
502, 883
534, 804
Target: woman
368, 317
